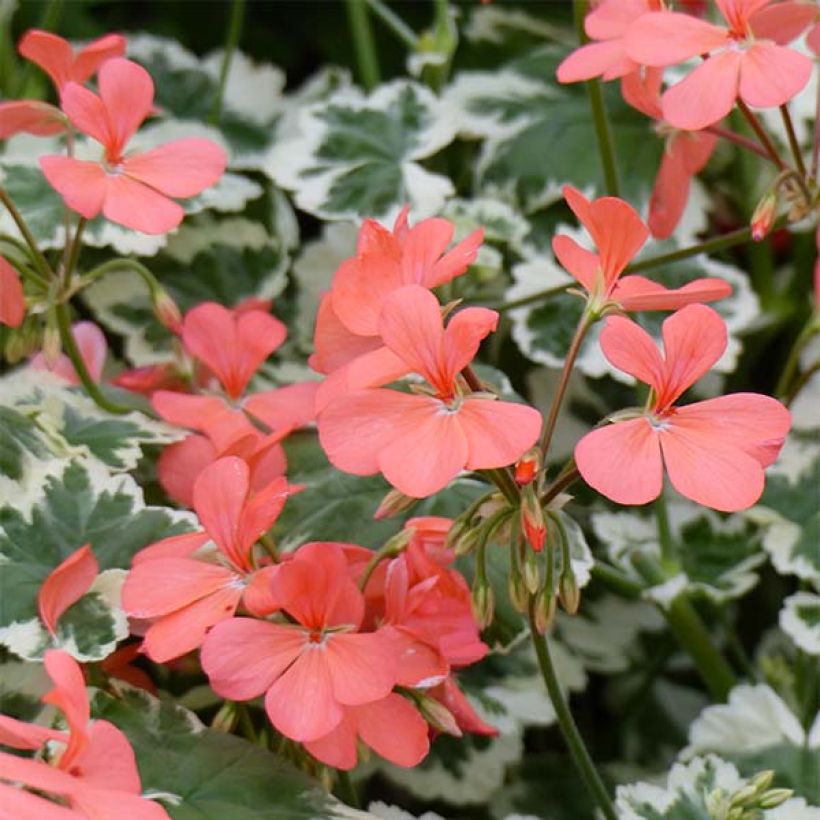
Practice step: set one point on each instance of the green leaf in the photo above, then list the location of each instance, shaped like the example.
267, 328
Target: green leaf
354, 156
800, 620
21, 443
335, 506
200, 774
788, 508
83, 503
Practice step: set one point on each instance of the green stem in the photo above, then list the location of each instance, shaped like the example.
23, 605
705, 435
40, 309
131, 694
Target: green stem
617, 581
555, 408
123, 263
580, 755
669, 552
693, 636
564, 479
533, 297
764, 138
73, 353
72, 251
231, 42
810, 329
735, 646
246, 723
37, 255
793, 143
394, 23
346, 789
366, 57
739, 139
603, 130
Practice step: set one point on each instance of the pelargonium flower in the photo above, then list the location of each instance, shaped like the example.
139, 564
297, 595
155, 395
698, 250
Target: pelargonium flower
714, 451
606, 25
65, 585
184, 596
91, 767
421, 441
685, 153
12, 297
748, 57
619, 233
134, 190
309, 670
57, 58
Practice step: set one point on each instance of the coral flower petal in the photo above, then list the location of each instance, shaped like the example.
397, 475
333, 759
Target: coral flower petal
497, 432
782, 22
607, 59
37, 775
30, 117
180, 463
771, 75
94, 54
12, 298
68, 694
86, 112
219, 496
359, 287
65, 585
108, 761
363, 667
16, 804
182, 168
393, 728
300, 703
339, 747
175, 546
631, 349
424, 244
127, 92
639, 293
180, 632
49, 51
580, 262
20, 735
105, 803
622, 461
706, 95
455, 261
130, 203
242, 657
666, 37
83, 185
334, 344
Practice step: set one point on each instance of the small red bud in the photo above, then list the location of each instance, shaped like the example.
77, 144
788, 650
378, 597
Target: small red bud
532, 518
764, 216
527, 467
167, 311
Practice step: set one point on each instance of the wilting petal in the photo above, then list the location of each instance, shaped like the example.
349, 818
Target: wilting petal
108, 761
607, 59
30, 117
393, 728
497, 432
164, 585
622, 461
127, 91
666, 37
580, 262
706, 95
128, 202
755, 424
181, 168
219, 495
65, 585
12, 298
455, 261
639, 293
301, 704
242, 657
694, 338
630, 348
771, 75
704, 467
16, 804
83, 185
180, 632
363, 667
339, 747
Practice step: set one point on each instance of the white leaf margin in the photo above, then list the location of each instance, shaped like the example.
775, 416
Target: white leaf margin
805, 636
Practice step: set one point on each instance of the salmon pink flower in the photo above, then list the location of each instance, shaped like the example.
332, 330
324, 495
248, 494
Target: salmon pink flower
714, 451
133, 190
748, 57
606, 25
93, 768
93, 350
12, 298
65, 585
619, 233
685, 155
420, 442
392, 727
309, 670
184, 596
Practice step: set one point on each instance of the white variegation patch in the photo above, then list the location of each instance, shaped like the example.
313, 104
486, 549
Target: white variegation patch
800, 620
494, 24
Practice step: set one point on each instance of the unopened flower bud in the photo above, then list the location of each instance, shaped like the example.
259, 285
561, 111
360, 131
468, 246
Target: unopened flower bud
568, 592
517, 591
532, 577
394, 503
528, 467
773, 798
545, 606
483, 604
438, 715
743, 796
762, 780
396, 544
468, 541
764, 216
15, 347
52, 347
226, 718
532, 518
166, 310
